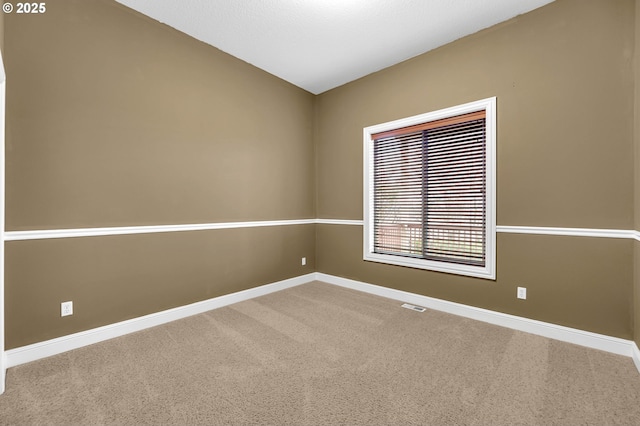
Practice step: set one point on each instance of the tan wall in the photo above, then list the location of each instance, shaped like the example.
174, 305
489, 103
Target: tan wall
578, 282
114, 120
2, 32
563, 77
115, 278
636, 140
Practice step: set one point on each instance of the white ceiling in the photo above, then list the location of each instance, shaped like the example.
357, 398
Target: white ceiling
322, 44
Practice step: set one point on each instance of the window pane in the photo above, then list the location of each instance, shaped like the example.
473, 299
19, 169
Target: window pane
398, 195
429, 194
455, 197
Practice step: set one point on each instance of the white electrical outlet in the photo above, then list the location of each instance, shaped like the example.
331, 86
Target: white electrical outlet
66, 309
522, 292
304, 261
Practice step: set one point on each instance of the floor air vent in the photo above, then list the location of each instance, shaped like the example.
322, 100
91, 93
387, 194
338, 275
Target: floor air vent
414, 307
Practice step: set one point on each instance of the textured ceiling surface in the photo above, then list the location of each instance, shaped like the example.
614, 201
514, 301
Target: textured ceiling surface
321, 44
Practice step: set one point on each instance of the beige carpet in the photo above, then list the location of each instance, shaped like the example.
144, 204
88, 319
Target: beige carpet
319, 354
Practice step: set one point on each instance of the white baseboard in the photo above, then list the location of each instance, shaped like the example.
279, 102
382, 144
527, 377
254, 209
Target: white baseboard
3, 372
47, 348
579, 337
635, 354
56, 346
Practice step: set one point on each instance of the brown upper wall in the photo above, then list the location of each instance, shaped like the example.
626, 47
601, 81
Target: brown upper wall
2, 32
636, 116
116, 120
636, 141
563, 78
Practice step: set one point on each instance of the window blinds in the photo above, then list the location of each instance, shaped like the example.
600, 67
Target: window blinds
429, 190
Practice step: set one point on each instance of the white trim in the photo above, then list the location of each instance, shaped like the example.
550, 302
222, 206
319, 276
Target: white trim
123, 230
339, 222
486, 271
636, 355
535, 230
573, 232
77, 340
571, 335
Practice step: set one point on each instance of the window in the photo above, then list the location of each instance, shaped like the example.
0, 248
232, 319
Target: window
429, 188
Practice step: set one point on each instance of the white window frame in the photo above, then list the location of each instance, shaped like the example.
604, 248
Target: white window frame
488, 271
